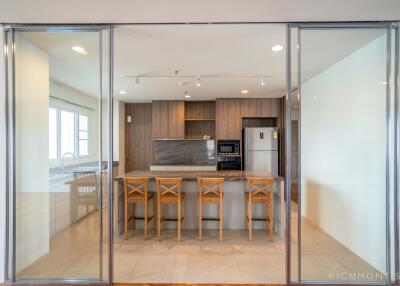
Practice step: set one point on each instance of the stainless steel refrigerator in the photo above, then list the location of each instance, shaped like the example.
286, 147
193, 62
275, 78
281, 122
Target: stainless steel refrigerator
261, 149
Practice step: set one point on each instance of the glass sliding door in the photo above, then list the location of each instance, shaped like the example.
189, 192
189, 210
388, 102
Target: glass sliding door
345, 145
57, 99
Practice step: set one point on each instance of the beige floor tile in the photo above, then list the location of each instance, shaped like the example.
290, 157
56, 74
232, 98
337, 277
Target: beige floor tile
74, 254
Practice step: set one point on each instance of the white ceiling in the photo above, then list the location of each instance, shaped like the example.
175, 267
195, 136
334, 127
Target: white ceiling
199, 50
195, 50
161, 11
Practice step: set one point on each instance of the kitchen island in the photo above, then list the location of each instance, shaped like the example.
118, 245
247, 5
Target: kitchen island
233, 202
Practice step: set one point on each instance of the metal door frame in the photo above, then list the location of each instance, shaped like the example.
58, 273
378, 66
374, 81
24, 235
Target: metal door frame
389, 27
10, 129
9, 60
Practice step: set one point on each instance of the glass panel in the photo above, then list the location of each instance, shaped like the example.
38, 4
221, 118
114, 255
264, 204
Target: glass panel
52, 133
58, 202
343, 154
245, 65
294, 156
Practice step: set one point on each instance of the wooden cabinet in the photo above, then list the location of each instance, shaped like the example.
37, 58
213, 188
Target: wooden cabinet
199, 119
138, 137
159, 128
229, 125
168, 119
260, 107
176, 119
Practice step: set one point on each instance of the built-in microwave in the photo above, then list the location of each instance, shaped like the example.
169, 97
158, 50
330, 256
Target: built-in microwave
225, 147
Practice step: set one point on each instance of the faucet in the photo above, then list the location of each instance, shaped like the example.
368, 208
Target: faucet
63, 156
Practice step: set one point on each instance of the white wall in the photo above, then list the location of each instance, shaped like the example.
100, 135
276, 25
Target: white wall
343, 151
32, 205
133, 11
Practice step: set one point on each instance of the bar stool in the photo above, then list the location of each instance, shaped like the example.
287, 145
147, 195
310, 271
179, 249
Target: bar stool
210, 191
136, 191
169, 192
260, 191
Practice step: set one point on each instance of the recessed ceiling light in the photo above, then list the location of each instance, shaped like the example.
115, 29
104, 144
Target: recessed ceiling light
315, 97
123, 92
277, 48
187, 95
80, 50
384, 83
244, 91
262, 81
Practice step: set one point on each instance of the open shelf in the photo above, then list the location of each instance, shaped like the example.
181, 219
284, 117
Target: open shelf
199, 120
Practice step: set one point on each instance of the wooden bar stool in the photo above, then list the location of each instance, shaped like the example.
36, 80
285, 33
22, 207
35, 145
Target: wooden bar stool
210, 191
136, 191
260, 191
169, 192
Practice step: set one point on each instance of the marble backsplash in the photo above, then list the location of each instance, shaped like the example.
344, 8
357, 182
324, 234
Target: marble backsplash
184, 152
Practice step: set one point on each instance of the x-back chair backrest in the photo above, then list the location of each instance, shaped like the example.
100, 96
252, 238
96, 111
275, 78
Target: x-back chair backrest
260, 185
135, 186
211, 185
86, 183
169, 186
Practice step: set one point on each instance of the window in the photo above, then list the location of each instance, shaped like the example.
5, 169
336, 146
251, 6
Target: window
69, 132
83, 146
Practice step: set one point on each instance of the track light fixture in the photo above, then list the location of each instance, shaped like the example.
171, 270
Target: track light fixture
184, 79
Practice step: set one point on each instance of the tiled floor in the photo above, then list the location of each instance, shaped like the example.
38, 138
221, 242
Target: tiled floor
235, 260
74, 253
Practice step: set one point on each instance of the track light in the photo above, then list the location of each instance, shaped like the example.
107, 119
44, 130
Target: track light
137, 81
187, 95
262, 81
198, 82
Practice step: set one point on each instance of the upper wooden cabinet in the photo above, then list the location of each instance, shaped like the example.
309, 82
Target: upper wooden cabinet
176, 119
260, 107
168, 119
229, 125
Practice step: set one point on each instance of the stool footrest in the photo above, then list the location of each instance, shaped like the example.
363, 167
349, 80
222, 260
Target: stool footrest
171, 219
140, 217
210, 218
259, 219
